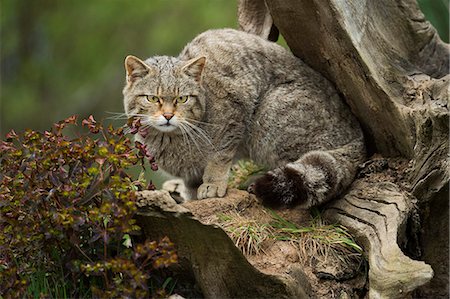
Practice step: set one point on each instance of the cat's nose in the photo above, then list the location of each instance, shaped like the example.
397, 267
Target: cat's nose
168, 115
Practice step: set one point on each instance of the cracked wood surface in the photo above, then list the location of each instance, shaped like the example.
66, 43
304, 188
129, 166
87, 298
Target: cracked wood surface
375, 212
254, 17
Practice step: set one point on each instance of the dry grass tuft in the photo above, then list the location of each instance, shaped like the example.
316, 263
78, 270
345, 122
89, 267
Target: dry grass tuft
247, 234
319, 241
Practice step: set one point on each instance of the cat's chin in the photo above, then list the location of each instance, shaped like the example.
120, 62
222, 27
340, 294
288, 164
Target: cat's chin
166, 128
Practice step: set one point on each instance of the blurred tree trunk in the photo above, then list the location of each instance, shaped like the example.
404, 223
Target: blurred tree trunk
393, 70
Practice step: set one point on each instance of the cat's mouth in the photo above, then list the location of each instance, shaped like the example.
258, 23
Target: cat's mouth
166, 127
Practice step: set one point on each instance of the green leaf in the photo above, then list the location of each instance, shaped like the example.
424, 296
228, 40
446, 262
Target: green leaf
127, 241
106, 220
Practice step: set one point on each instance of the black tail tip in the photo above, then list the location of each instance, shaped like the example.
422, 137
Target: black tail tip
265, 191
282, 187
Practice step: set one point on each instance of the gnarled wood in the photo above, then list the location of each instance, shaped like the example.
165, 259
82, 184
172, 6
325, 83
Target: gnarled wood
376, 212
369, 49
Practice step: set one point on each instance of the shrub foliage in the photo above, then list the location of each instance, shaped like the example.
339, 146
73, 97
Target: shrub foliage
67, 209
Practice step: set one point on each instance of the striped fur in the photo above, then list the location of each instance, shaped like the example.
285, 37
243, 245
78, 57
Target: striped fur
247, 98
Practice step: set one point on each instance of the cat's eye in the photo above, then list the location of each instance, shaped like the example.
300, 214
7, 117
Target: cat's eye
152, 99
182, 99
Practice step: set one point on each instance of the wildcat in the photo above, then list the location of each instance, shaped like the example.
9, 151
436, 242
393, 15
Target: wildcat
230, 95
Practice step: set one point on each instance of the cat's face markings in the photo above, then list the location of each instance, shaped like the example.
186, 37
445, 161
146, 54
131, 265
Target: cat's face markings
167, 112
167, 117
165, 92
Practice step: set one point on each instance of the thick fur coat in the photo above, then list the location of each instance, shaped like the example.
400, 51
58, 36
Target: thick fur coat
230, 95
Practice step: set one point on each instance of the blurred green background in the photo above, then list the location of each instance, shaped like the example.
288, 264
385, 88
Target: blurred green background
64, 57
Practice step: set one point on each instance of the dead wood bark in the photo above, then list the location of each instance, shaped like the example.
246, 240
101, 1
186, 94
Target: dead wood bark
392, 69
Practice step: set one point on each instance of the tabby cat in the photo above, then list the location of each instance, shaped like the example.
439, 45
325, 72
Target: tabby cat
230, 95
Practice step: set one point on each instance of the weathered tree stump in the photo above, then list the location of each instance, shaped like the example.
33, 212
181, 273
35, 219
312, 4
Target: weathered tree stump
393, 70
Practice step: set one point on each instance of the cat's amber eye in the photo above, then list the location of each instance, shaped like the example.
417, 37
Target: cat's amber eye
152, 99
182, 99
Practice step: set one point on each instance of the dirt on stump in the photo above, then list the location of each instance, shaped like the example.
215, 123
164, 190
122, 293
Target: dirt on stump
331, 278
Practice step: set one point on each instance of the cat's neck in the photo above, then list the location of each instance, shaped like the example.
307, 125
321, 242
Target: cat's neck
162, 143
159, 141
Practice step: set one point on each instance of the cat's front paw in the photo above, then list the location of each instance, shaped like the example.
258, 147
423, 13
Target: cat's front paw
209, 190
179, 190
176, 189
173, 186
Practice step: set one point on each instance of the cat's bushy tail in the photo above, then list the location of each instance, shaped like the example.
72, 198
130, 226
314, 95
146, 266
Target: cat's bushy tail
312, 180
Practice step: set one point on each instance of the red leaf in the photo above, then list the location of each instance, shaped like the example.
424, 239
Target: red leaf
11, 135
91, 123
71, 120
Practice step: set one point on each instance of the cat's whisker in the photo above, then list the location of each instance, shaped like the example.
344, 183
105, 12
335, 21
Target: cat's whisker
199, 131
200, 122
190, 136
126, 130
121, 115
196, 139
147, 122
185, 138
117, 117
201, 134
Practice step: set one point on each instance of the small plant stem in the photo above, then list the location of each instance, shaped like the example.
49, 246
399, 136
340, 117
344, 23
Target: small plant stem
106, 279
105, 255
83, 253
144, 263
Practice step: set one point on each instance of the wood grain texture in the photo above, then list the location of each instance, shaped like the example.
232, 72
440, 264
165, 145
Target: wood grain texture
370, 50
254, 17
376, 213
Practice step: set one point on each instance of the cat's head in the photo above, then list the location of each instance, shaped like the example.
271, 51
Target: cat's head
164, 92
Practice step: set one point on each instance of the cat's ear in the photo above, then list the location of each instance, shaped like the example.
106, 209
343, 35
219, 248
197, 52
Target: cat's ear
135, 68
194, 67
